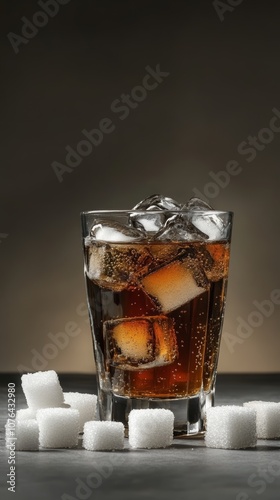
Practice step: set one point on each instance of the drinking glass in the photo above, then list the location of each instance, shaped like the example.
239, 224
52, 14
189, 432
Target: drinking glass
156, 301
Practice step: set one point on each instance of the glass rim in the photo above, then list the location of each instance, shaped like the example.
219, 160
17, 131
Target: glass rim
132, 211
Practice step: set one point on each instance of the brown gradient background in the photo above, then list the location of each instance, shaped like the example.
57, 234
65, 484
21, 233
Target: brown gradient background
224, 81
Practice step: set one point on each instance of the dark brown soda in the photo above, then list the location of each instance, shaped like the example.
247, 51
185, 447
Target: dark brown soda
197, 322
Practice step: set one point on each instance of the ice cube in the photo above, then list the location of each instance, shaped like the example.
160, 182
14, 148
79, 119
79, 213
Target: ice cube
105, 230
212, 226
95, 261
114, 266
163, 253
88, 241
149, 222
215, 260
197, 204
141, 342
175, 284
177, 228
158, 202
165, 338
209, 224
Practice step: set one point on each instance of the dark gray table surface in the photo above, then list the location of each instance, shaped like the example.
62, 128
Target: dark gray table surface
187, 470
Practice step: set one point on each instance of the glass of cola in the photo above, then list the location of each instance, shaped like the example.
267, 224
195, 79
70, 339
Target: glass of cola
156, 279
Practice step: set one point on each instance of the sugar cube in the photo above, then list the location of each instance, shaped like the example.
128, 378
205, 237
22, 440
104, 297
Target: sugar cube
25, 434
150, 428
103, 436
25, 414
230, 427
84, 403
42, 389
58, 427
268, 418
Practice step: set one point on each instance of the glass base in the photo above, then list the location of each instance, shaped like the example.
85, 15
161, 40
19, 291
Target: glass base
189, 412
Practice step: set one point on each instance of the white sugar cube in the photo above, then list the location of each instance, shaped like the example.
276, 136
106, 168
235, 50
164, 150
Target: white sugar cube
25, 414
58, 427
84, 403
103, 436
42, 389
150, 428
230, 427
25, 434
268, 418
